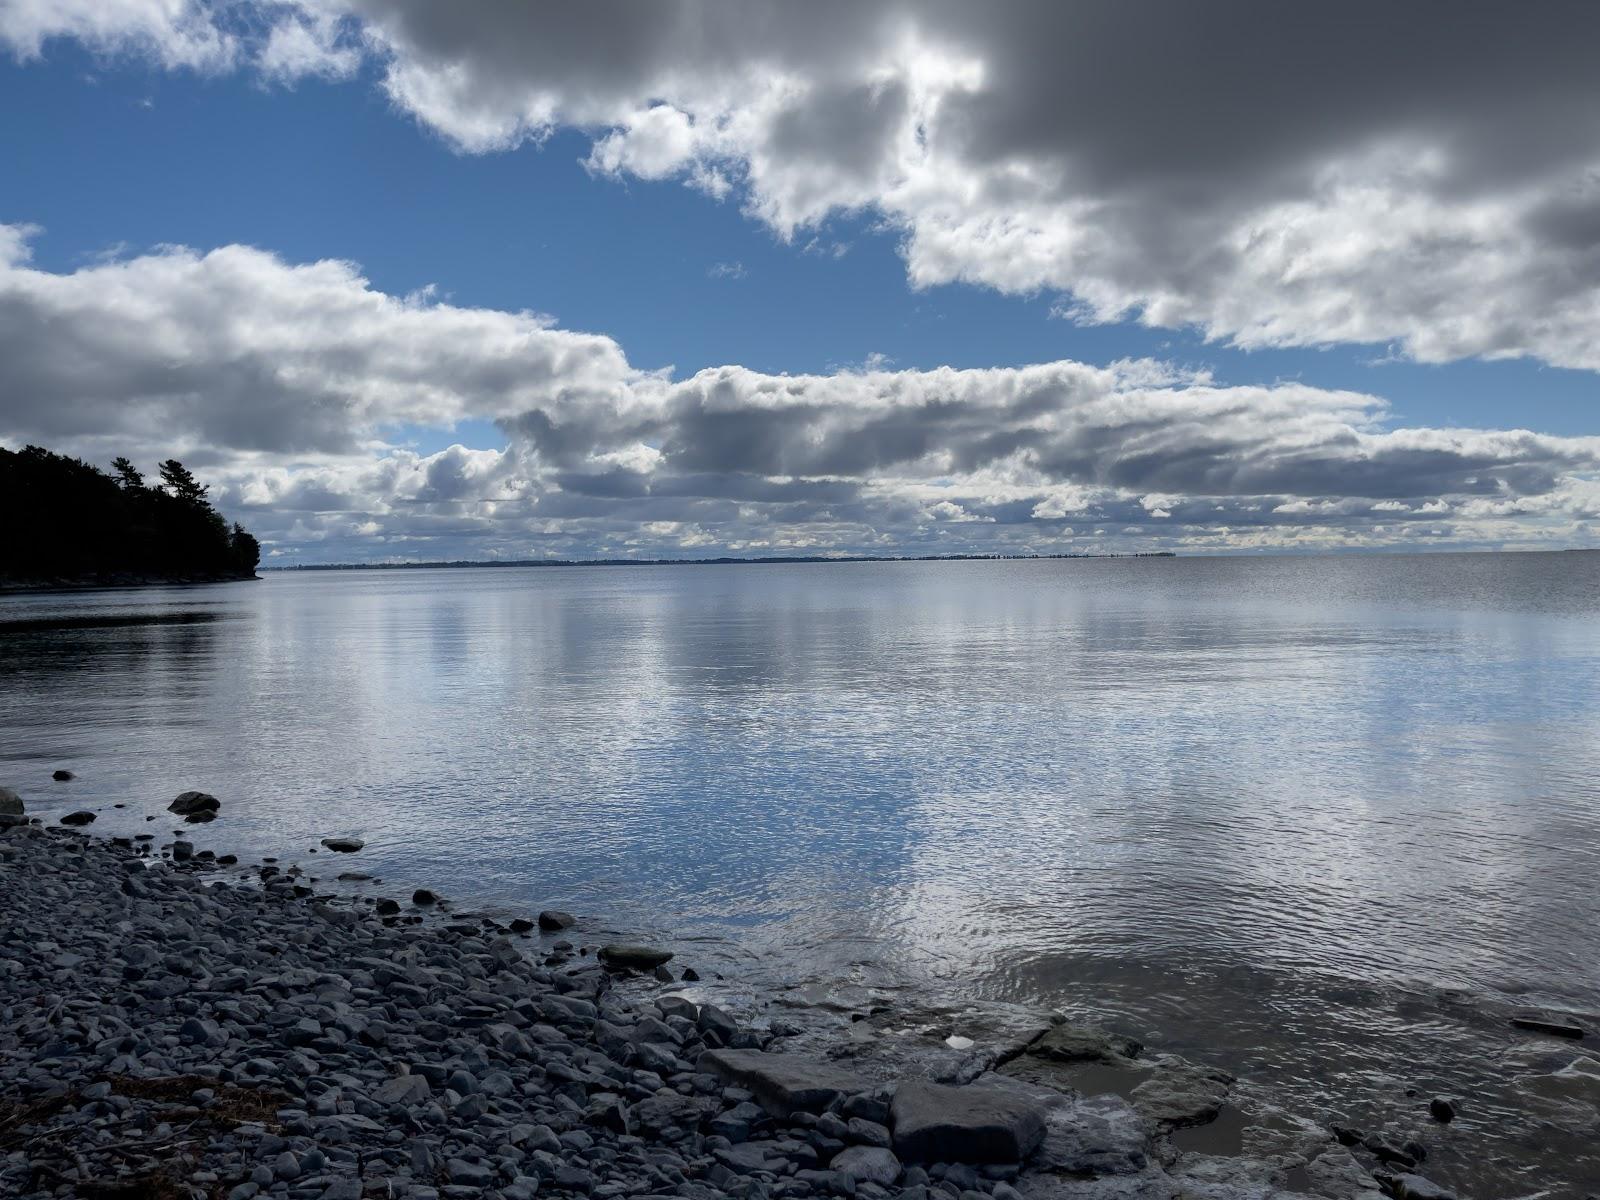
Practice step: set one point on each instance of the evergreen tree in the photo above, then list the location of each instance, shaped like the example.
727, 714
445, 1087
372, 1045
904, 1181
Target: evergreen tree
61, 518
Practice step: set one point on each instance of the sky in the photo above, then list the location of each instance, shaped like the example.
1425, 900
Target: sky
409, 282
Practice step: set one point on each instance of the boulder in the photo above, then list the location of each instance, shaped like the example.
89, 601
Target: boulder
182, 851
424, 896
784, 1083
989, 1121
867, 1164
10, 802
633, 958
61, 775
78, 818
553, 919
1182, 1094
1414, 1187
1097, 1135
192, 802
1080, 1043
344, 845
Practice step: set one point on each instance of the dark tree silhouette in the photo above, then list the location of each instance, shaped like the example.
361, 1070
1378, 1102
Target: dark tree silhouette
62, 519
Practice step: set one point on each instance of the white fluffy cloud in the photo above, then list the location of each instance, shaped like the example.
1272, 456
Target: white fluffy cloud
1362, 172
286, 385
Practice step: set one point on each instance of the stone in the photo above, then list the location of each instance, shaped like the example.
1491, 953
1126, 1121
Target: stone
344, 845
62, 775
784, 1083
989, 1121
1552, 1026
182, 851
867, 1164
1096, 1135
1406, 1186
386, 907
625, 957
522, 925
192, 802
82, 817
1182, 1094
553, 919
422, 896
1442, 1110
1080, 1043
10, 802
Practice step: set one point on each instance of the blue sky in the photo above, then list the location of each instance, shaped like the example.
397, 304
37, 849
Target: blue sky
119, 155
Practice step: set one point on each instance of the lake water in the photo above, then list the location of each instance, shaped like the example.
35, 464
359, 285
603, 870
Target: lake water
1316, 820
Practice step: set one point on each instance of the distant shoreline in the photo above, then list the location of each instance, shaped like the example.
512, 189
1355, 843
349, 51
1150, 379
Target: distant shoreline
702, 562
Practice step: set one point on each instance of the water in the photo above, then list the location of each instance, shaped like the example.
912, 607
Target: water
1316, 820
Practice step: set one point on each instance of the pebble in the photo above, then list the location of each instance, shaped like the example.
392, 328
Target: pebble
262, 1040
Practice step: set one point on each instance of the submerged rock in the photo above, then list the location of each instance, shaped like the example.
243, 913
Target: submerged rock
61, 775
1181, 1093
1554, 1026
1080, 1043
991, 1121
186, 803
344, 845
784, 1083
633, 958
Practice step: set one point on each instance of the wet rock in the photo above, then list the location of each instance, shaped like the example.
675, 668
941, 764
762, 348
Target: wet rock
344, 845
62, 775
1551, 1025
1182, 1093
522, 925
1442, 1110
625, 957
991, 1121
1081, 1043
187, 803
1097, 1135
553, 919
784, 1083
386, 907
422, 896
81, 817
1406, 1186
867, 1164
182, 851
10, 802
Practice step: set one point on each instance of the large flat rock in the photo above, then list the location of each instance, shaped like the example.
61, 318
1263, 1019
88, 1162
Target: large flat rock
785, 1083
1096, 1135
991, 1121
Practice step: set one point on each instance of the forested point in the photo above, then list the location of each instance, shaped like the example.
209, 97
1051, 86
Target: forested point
65, 521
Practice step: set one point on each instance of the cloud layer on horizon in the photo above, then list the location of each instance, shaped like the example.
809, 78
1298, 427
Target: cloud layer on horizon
285, 384
1359, 173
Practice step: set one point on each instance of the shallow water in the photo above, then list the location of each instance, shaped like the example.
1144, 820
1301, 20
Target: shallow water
1262, 811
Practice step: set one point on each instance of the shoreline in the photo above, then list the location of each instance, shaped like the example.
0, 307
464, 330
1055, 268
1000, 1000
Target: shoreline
108, 582
179, 1024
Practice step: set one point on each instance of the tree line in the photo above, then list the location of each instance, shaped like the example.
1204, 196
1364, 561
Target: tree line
64, 519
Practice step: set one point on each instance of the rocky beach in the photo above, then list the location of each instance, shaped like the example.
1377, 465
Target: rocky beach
179, 1024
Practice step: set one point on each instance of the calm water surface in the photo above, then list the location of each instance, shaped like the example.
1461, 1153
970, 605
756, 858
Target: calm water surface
1311, 819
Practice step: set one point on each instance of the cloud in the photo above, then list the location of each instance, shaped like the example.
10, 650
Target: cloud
727, 270
1355, 173
292, 388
